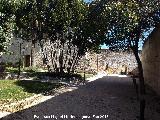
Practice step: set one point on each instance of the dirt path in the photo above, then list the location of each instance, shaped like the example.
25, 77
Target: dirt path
107, 98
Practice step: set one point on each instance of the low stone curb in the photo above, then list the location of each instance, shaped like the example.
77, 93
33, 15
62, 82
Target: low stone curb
16, 106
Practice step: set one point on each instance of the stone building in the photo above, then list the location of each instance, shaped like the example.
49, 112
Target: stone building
151, 60
49, 55
22, 49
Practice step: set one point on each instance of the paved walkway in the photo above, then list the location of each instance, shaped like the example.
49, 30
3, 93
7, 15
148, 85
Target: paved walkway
107, 98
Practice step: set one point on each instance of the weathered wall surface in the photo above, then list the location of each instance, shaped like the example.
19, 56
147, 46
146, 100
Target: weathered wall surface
151, 60
115, 61
34, 55
14, 52
111, 62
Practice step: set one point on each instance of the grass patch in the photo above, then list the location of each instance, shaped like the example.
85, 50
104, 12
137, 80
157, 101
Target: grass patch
86, 75
26, 69
14, 90
11, 70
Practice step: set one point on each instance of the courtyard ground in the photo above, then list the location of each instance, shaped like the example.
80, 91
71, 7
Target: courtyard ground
106, 98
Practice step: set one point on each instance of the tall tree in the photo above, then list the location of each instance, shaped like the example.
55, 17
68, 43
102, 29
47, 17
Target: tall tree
128, 21
59, 21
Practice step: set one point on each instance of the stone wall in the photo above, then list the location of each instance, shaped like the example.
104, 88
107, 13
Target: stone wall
151, 60
109, 61
13, 55
33, 53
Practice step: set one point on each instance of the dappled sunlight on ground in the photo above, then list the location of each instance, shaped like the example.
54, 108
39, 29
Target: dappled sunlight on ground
117, 75
113, 96
99, 75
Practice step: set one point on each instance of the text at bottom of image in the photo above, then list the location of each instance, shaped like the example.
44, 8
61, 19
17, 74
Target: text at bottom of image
56, 117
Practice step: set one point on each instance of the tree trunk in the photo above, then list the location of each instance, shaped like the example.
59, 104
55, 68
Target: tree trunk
75, 61
141, 84
61, 61
19, 66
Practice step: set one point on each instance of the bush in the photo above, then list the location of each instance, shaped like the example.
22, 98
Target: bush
11, 70
26, 69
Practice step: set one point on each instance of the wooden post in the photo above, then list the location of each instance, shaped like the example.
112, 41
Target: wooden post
84, 74
135, 85
19, 67
97, 63
84, 77
31, 57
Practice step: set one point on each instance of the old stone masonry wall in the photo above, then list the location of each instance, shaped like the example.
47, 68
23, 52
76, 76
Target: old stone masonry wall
17, 51
151, 60
109, 61
106, 60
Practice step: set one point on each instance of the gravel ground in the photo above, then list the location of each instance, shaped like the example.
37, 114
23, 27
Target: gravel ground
107, 98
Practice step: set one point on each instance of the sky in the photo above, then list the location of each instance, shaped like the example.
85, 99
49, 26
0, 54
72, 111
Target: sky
104, 46
146, 34
87, 0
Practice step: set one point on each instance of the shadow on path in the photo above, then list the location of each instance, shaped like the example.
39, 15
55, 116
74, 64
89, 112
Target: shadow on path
110, 96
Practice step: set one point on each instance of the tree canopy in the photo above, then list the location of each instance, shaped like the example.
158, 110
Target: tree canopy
60, 21
6, 15
74, 27
126, 23
129, 20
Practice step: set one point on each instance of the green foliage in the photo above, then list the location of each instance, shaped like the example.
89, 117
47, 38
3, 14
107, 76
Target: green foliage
36, 20
48, 17
128, 20
11, 70
6, 24
26, 69
60, 21
119, 24
112, 22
